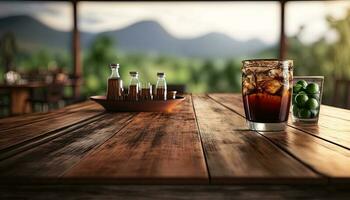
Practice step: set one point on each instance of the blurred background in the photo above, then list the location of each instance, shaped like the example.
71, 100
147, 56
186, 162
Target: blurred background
53, 53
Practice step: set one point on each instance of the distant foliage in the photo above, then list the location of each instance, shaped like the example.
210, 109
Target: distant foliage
197, 74
8, 50
330, 59
95, 65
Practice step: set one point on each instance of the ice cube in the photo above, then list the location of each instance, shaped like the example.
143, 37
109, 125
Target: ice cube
290, 74
263, 77
248, 86
271, 86
275, 73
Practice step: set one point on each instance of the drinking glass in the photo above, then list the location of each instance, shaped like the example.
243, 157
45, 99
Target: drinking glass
266, 91
307, 98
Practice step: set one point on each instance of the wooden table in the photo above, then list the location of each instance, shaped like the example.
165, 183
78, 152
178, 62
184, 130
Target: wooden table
204, 141
19, 93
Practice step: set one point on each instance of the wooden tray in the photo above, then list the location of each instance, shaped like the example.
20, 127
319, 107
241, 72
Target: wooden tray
137, 106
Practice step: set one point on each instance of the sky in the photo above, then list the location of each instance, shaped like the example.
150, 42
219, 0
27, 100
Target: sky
240, 20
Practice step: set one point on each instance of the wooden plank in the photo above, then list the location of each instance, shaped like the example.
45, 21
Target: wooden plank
333, 123
232, 101
235, 155
52, 159
34, 116
323, 153
183, 192
12, 122
335, 112
334, 130
14, 136
153, 148
327, 158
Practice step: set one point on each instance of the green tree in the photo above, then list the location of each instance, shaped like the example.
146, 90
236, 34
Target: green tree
339, 50
101, 53
232, 73
8, 50
322, 57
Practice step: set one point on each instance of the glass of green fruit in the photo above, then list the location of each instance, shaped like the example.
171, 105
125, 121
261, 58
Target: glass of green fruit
306, 98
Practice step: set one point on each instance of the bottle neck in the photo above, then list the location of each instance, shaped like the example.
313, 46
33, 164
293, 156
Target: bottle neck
161, 79
161, 83
115, 73
134, 80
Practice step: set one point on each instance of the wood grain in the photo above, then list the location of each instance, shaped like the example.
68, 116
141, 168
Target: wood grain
153, 148
334, 130
14, 136
83, 144
324, 153
334, 112
52, 159
232, 101
172, 192
327, 158
235, 156
12, 122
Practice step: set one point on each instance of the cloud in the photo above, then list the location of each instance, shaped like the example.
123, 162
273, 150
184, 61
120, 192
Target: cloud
240, 20
190, 19
89, 20
30, 8
57, 15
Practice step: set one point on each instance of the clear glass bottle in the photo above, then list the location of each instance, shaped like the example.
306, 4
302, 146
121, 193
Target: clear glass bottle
161, 87
134, 86
146, 91
115, 84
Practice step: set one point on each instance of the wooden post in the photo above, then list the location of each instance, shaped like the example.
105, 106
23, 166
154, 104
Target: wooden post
283, 41
76, 53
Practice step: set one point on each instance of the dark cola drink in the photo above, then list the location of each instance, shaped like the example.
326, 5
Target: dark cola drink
161, 94
133, 92
161, 87
266, 91
134, 86
114, 84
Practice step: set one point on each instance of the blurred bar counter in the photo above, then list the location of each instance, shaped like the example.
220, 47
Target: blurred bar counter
20, 98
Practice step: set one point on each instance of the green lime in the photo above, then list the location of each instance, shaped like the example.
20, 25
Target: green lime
301, 99
303, 83
304, 113
295, 110
315, 96
297, 88
311, 104
302, 92
314, 113
312, 88
293, 99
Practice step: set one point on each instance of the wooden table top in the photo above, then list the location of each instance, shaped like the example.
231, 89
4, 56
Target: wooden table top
203, 141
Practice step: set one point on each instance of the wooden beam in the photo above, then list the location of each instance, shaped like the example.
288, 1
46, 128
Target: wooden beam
143, 0
76, 52
283, 41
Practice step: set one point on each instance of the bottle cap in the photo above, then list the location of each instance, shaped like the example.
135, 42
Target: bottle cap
112, 65
133, 73
160, 74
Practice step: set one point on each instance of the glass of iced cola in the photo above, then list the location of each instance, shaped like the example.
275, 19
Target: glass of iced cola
266, 90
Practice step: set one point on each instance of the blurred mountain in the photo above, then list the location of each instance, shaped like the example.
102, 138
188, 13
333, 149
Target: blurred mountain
218, 44
143, 36
31, 33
